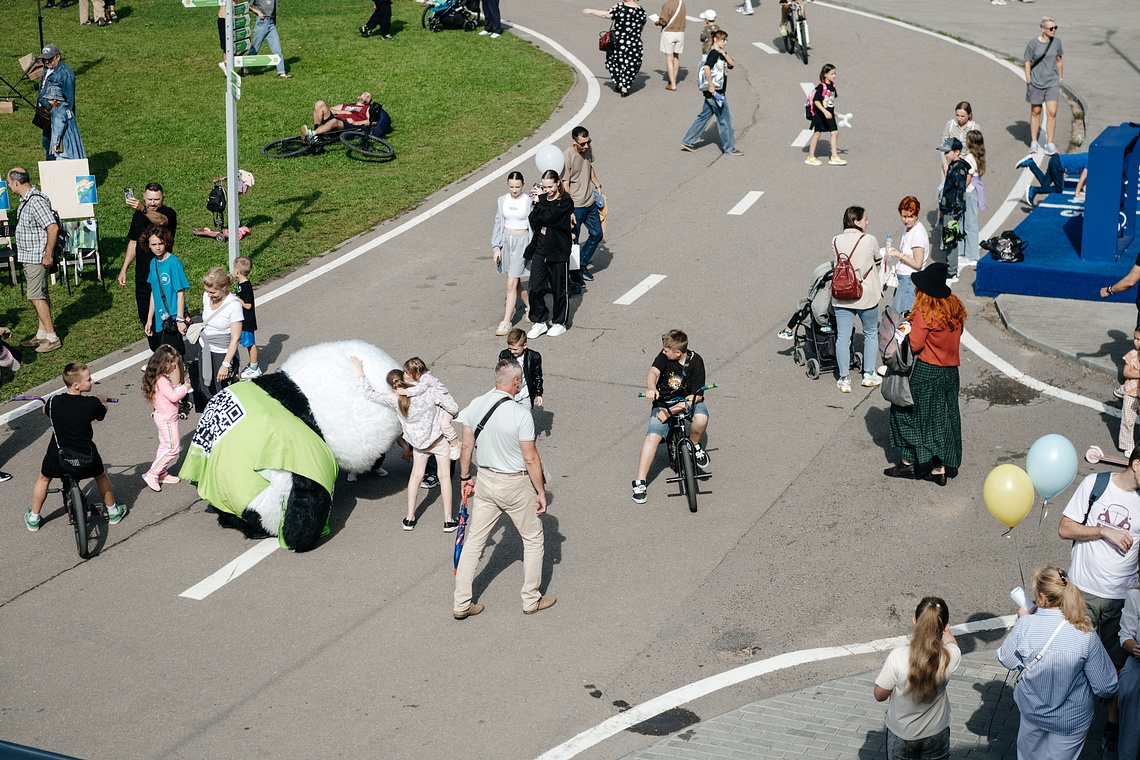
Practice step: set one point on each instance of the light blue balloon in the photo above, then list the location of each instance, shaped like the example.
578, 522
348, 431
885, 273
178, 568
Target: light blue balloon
1051, 464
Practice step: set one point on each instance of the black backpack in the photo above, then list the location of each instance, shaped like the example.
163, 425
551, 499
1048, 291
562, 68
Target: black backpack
1007, 247
216, 202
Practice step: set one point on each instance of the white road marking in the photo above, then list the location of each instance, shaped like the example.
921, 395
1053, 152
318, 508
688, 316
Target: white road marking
803, 139
689, 692
807, 87
247, 560
767, 48
746, 202
640, 289
593, 94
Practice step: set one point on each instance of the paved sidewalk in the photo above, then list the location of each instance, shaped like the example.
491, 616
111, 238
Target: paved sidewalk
1093, 334
840, 719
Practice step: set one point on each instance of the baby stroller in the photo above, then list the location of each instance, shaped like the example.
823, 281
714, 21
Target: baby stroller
451, 14
813, 328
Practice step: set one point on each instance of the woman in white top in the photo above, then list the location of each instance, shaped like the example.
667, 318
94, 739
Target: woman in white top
962, 123
913, 683
911, 255
509, 240
222, 316
975, 156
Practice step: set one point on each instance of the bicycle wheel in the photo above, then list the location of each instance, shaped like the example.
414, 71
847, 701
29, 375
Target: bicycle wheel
286, 147
688, 457
803, 36
367, 145
76, 504
790, 37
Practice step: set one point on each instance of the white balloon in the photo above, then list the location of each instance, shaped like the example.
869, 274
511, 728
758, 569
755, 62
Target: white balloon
550, 157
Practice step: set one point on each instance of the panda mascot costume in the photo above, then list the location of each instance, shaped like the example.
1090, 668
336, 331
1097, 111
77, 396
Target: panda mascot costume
266, 453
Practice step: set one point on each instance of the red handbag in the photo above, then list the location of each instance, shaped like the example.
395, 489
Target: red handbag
606, 41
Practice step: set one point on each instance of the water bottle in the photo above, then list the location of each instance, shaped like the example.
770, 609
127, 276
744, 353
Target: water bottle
890, 241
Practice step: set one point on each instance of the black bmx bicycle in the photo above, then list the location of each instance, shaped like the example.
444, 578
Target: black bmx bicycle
796, 40
357, 140
682, 451
79, 510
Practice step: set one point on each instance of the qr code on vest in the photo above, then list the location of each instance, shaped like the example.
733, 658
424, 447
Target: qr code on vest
220, 415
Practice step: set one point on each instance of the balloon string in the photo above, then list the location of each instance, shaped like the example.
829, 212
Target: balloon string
1044, 512
1016, 553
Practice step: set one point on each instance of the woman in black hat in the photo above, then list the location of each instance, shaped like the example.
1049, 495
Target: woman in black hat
928, 435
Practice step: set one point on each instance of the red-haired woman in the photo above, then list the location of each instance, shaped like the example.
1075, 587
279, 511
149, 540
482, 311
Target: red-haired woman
928, 435
911, 255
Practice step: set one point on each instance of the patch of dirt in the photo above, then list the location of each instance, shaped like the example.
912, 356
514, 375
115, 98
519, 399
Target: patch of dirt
999, 390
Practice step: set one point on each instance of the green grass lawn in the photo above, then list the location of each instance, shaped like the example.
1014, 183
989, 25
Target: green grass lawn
150, 107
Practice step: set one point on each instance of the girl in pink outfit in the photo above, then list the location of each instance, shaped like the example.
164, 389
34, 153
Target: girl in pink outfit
165, 384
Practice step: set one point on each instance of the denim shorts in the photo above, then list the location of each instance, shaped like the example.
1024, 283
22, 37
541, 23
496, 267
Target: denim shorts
936, 747
657, 427
246, 340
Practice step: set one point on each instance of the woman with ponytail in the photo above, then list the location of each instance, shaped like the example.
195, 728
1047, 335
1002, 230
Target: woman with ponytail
1063, 666
914, 679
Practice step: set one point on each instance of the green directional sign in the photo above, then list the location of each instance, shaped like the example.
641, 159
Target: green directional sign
235, 79
241, 34
202, 3
240, 46
246, 61
240, 9
241, 22
236, 92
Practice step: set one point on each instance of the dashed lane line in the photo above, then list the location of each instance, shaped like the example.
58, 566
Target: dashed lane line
745, 203
203, 589
640, 289
767, 48
803, 139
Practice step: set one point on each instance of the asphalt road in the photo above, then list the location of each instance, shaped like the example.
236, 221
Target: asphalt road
351, 651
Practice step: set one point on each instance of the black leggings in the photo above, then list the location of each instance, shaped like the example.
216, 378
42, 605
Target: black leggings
381, 17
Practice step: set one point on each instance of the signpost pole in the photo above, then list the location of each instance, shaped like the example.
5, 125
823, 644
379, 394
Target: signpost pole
233, 180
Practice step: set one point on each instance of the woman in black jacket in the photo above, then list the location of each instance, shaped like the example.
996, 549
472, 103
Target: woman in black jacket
552, 220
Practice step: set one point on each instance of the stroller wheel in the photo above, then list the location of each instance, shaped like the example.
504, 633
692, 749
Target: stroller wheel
220, 237
857, 361
799, 356
812, 370
469, 25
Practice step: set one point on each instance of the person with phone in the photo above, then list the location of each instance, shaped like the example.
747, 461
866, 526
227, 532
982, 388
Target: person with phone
152, 210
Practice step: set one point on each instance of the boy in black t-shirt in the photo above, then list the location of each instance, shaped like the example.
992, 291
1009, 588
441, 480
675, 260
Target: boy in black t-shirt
242, 267
675, 372
71, 415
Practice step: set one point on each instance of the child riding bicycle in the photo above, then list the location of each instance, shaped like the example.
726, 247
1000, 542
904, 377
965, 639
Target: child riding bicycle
675, 373
71, 415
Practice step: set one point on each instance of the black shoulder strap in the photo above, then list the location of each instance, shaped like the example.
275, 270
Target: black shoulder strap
1041, 58
487, 416
1099, 487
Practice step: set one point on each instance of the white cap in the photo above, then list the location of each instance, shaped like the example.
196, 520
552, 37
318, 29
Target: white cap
709, 15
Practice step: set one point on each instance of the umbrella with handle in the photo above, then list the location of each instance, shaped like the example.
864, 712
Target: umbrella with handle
460, 533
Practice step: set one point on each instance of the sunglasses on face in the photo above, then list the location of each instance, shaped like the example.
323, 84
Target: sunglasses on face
1050, 28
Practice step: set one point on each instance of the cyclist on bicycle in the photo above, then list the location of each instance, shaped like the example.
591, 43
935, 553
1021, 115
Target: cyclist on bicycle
70, 416
343, 116
786, 11
676, 372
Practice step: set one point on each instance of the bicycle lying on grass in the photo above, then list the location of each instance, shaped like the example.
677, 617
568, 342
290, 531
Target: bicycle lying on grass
79, 511
682, 451
357, 140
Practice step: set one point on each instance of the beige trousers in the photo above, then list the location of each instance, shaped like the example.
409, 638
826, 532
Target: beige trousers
100, 12
496, 493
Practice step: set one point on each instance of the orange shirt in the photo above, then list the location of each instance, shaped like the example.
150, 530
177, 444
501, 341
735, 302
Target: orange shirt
934, 345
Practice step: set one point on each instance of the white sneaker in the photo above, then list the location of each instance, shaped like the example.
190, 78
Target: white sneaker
537, 330
483, 32
1034, 146
1118, 391
870, 380
997, 2
843, 384
952, 280
964, 263
1050, 149
495, 35
251, 372
556, 330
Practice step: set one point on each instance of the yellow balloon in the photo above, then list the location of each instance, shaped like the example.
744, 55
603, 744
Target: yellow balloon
1008, 494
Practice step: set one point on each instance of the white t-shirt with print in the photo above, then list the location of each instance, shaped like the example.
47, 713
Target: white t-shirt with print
1098, 567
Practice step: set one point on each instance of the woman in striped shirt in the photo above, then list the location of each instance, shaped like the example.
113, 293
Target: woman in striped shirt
1062, 665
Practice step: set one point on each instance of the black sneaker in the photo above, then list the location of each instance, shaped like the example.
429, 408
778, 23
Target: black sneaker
701, 456
364, 31
640, 491
587, 275
408, 524
429, 481
449, 526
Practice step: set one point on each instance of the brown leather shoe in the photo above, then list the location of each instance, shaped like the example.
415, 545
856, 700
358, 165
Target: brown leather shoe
48, 346
544, 602
474, 609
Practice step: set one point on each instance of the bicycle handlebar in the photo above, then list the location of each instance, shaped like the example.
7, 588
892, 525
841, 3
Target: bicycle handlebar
679, 399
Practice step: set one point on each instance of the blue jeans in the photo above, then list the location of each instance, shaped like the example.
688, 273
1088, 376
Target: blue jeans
969, 245
265, 30
845, 324
936, 747
904, 294
723, 125
587, 217
1056, 180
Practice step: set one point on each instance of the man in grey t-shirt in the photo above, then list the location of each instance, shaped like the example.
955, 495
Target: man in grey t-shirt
1044, 69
